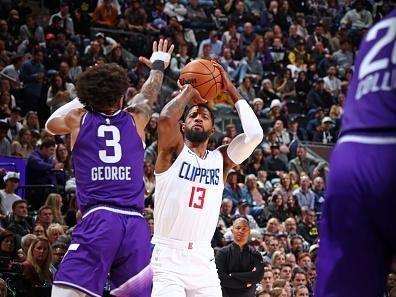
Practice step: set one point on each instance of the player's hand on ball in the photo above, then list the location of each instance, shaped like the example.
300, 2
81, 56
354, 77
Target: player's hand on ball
190, 92
160, 52
227, 83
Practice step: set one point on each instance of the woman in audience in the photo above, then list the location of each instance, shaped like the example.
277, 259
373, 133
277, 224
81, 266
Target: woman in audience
22, 146
38, 230
59, 93
54, 231
36, 267
8, 245
63, 155
55, 201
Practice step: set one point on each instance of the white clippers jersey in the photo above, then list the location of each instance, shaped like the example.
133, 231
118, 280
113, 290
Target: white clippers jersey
188, 197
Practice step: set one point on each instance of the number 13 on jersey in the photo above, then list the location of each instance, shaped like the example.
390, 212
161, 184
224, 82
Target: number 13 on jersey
197, 197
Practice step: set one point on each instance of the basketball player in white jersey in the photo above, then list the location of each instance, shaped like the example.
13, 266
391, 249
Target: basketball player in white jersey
189, 187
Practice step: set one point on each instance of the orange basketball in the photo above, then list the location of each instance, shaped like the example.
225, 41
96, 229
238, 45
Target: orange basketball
204, 77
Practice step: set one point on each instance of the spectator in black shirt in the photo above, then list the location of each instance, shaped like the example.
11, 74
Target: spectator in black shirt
240, 266
276, 167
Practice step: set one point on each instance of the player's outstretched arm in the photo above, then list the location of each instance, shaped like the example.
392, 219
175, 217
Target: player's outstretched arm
243, 145
141, 104
170, 138
63, 120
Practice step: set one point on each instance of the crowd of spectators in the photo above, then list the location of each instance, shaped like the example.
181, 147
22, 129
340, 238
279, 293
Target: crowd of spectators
291, 60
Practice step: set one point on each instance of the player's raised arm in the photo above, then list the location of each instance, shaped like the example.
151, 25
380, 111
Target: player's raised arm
170, 138
243, 145
141, 104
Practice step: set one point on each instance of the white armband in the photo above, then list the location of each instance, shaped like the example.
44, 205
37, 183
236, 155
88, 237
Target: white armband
63, 110
243, 145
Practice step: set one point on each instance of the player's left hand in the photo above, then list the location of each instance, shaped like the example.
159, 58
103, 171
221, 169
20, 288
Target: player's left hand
160, 52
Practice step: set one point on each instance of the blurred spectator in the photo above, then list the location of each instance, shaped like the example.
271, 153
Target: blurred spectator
105, 14
299, 278
54, 231
216, 45
26, 241
149, 181
175, 9
332, 82
66, 20
226, 213
267, 281
302, 163
19, 222
246, 89
343, 58
307, 227
247, 36
230, 33
251, 193
325, 132
22, 145
232, 189
59, 250
55, 201
240, 16
60, 92
197, 16
250, 67
63, 155
13, 122
240, 267
8, 245
180, 60
31, 121
5, 142
284, 85
358, 18
305, 196
32, 30
38, 230
36, 268
42, 170
276, 167
32, 75
11, 71
7, 195
319, 97
75, 68
45, 216
277, 208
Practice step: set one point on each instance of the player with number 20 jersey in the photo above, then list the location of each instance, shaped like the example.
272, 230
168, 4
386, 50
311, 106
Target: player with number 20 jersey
357, 229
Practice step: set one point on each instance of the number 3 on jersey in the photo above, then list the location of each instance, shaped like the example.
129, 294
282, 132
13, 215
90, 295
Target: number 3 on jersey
197, 197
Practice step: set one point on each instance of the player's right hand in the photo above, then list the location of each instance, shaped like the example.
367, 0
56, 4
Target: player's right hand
189, 91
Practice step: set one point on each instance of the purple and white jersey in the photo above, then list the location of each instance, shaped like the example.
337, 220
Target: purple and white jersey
108, 162
371, 99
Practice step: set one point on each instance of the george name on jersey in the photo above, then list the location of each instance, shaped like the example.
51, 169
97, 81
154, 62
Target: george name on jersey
110, 173
201, 175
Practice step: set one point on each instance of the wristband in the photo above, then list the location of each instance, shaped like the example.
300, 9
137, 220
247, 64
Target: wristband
162, 56
158, 65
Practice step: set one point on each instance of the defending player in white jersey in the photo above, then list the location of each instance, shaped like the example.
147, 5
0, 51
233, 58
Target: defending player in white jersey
189, 187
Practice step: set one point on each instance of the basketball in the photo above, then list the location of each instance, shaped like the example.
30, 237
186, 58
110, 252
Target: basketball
204, 77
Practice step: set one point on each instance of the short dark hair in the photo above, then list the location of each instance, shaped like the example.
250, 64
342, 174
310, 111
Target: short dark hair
199, 105
44, 208
102, 86
17, 202
47, 143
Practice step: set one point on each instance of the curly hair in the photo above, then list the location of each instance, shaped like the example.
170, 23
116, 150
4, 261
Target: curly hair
101, 86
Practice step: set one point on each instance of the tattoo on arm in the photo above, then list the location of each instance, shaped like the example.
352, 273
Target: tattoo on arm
142, 102
175, 108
